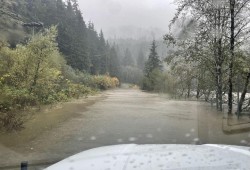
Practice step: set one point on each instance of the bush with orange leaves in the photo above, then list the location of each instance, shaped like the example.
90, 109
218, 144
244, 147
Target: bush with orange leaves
105, 82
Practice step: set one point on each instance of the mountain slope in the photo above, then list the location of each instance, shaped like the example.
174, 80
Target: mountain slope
10, 22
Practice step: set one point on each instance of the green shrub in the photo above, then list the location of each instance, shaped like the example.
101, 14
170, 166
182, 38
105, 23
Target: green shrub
11, 121
36, 73
12, 98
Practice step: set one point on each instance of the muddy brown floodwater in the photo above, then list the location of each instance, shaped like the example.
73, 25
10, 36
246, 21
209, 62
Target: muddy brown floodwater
119, 116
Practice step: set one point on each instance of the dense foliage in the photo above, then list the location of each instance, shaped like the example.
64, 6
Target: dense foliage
83, 48
152, 70
210, 54
36, 73
48, 64
133, 54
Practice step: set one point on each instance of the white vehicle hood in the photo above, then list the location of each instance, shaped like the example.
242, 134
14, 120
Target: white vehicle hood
159, 157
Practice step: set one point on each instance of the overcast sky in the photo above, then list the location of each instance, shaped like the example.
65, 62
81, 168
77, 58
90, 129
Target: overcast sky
129, 18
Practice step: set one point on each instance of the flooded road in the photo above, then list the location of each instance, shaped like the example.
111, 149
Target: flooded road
119, 116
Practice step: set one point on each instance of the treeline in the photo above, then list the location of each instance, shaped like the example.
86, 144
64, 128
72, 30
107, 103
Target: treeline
133, 55
152, 71
210, 54
207, 57
83, 47
51, 63
36, 73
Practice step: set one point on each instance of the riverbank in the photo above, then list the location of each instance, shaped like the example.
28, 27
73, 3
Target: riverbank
47, 118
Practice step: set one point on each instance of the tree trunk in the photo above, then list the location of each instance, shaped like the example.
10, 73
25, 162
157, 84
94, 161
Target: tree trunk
217, 95
219, 88
189, 90
232, 41
35, 76
242, 98
219, 60
207, 94
198, 93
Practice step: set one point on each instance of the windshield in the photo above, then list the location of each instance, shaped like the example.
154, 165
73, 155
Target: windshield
77, 75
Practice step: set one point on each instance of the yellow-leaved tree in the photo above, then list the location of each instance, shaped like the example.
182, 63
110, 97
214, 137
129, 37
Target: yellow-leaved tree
30, 74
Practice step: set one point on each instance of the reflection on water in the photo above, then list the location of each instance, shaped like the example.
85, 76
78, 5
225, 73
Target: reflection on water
215, 127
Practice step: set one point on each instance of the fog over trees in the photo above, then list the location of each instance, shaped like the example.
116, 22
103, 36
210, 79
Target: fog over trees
213, 46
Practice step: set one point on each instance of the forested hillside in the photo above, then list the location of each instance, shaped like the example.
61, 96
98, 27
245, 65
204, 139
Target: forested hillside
83, 47
49, 54
10, 23
133, 55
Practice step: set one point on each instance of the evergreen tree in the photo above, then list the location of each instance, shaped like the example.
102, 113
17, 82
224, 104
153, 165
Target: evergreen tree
81, 46
153, 61
73, 38
93, 51
128, 60
103, 60
152, 71
141, 60
114, 63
